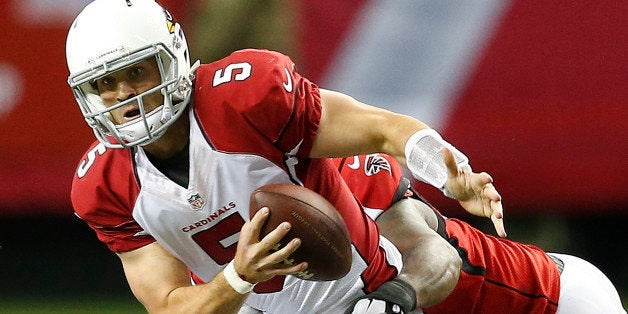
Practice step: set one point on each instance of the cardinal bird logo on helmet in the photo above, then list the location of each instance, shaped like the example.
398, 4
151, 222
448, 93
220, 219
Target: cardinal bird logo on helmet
170, 21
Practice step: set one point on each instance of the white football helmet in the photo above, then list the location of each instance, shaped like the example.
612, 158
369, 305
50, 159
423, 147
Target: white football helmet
109, 35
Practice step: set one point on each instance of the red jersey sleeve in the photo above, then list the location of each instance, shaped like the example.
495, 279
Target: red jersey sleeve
376, 179
258, 95
104, 190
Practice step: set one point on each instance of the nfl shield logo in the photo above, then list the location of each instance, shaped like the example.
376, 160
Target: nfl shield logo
196, 201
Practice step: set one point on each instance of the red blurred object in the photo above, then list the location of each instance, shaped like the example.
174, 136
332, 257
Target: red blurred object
43, 135
544, 110
547, 108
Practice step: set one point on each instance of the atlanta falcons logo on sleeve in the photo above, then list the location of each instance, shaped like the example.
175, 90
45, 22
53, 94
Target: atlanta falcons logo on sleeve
374, 163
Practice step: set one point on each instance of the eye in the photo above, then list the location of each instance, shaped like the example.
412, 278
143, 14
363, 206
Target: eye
136, 72
105, 83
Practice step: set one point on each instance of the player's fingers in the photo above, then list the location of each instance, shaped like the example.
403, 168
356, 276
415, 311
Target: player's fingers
483, 179
267, 263
496, 206
492, 199
486, 205
251, 230
273, 238
287, 269
283, 253
489, 191
279, 263
499, 226
498, 219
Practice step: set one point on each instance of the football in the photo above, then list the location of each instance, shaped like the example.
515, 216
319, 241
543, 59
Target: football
325, 242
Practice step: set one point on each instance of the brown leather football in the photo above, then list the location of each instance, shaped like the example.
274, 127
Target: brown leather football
325, 241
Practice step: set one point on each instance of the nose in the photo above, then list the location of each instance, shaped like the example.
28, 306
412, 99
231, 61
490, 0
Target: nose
125, 91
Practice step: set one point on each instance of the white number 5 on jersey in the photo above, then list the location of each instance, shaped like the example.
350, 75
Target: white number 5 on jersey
223, 76
91, 157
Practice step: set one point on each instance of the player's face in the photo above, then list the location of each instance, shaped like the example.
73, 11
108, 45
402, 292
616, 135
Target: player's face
129, 82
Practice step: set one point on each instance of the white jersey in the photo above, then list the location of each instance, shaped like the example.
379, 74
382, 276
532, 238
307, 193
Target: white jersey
255, 130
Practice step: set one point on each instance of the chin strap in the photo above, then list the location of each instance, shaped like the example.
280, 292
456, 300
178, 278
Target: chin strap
193, 68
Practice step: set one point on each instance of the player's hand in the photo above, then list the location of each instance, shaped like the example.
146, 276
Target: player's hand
475, 192
392, 297
257, 260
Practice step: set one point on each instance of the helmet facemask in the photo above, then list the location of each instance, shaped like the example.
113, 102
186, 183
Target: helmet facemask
142, 30
149, 125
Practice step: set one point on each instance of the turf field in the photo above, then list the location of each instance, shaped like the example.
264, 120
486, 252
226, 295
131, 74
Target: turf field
70, 306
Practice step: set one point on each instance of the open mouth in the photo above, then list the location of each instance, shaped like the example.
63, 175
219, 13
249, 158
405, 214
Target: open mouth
132, 114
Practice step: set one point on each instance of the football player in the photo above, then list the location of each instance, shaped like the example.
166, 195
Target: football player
497, 275
181, 147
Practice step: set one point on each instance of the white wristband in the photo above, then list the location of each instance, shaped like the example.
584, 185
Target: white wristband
234, 280
425, 160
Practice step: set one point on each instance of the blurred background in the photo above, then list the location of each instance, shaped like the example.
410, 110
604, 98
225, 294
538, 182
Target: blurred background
534, 92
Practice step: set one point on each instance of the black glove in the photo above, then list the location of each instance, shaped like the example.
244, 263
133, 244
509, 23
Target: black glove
394, 297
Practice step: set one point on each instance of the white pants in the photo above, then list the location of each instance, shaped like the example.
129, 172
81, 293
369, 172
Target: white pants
584, 289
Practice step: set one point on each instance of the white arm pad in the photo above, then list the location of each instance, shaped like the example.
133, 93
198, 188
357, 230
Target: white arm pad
425, 160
